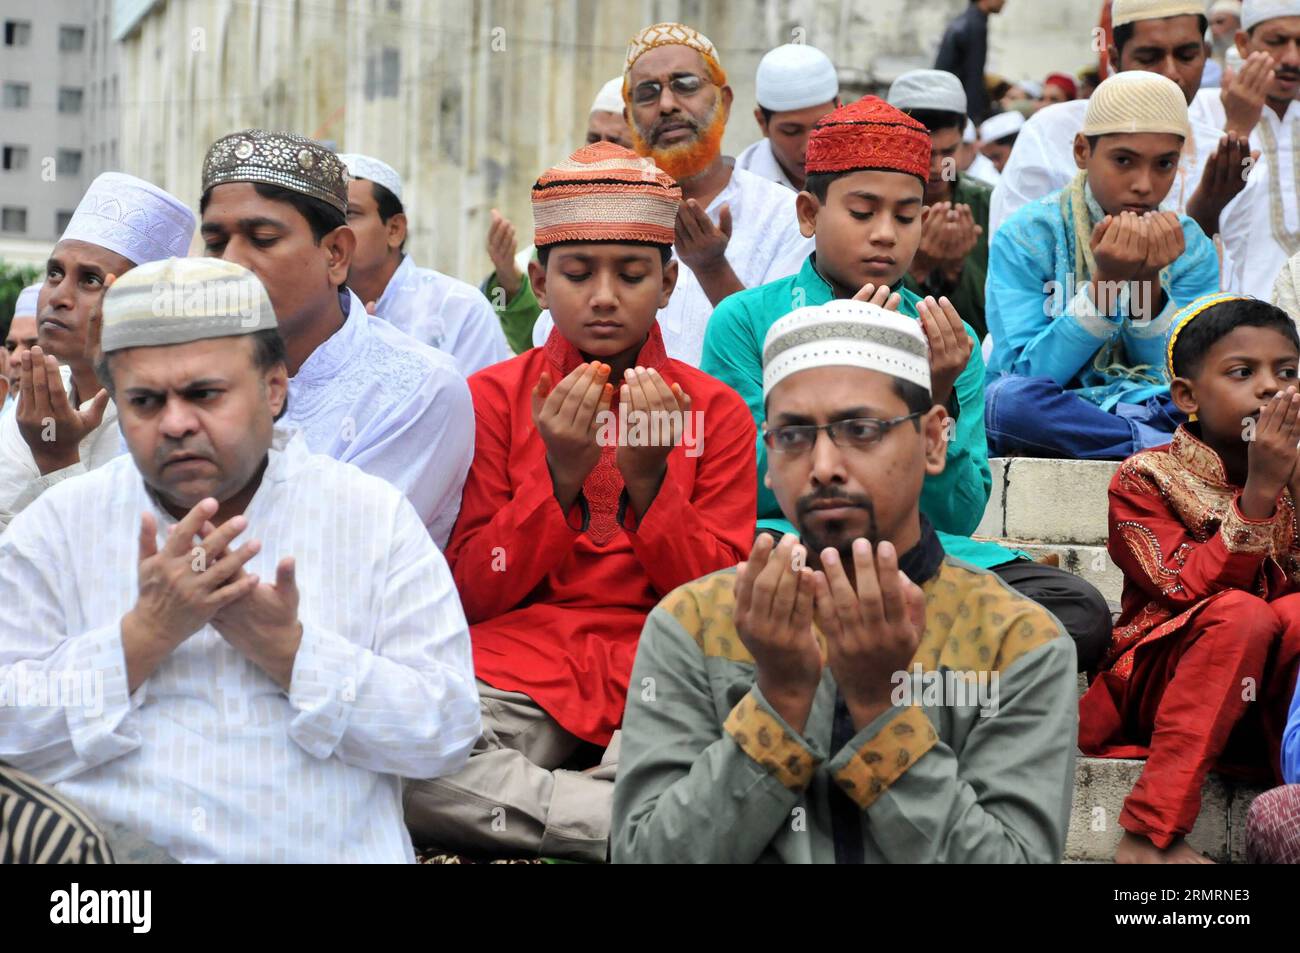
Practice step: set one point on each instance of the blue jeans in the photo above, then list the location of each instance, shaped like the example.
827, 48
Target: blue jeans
1035, 417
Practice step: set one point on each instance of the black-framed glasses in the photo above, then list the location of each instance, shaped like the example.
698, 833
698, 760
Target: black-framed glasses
684, 84
856, 433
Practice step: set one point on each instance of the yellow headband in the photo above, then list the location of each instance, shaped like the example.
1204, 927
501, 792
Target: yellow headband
1193, 310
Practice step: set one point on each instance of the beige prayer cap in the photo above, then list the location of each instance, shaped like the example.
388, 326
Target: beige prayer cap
1131, 11
179, 300
1137, 101
669, 34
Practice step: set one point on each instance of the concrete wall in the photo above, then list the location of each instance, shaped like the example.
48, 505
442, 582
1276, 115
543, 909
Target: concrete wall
471, 99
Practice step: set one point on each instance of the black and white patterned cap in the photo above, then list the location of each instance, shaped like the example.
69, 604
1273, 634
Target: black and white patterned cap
846, 334
278, 158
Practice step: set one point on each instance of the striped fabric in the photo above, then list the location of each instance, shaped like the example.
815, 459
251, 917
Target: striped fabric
1273, 827
604, 192
37, 826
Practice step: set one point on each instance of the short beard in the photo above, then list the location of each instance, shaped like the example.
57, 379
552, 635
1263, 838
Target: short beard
815, 542
687, 159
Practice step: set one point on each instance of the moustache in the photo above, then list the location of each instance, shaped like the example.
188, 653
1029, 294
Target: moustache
807, 504
658, 130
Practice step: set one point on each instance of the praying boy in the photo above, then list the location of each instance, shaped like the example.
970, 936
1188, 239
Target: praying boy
862, 204
577, 518
1084, 282
1201, 666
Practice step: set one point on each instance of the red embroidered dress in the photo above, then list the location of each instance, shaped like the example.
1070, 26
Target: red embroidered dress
556, 601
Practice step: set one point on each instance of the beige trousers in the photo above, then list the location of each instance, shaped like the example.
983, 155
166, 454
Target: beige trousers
510, 800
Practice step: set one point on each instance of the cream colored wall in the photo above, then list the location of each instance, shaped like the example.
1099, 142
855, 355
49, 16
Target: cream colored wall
490, 91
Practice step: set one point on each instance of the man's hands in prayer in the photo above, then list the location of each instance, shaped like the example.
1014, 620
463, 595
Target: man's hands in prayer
502, 248
183, 585
872, 631
1244, 98
1272, 454
565, 417
950, 345
948, 235
263, 625
703, 247
52, 428
646, 400
773, 617
1223, 179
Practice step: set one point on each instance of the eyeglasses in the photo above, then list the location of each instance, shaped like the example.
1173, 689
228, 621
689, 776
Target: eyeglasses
687, 84
858, 433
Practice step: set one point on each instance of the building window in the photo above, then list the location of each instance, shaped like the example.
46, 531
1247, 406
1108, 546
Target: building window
13, 219
71, 39
384, 73
14, 158
61, 220
68, 162
17, 95
69, 99
18, 32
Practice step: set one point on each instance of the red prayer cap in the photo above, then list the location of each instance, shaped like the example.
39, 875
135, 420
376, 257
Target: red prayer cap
869, 135
1066, 83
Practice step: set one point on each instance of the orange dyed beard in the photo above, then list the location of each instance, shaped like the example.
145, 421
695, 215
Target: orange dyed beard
690, 158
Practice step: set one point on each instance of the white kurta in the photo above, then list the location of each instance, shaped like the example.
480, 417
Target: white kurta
759, 159
209, 758
1042, 161
375, 397
1261, 228
20, 479
765, 245
982, 168
445, 313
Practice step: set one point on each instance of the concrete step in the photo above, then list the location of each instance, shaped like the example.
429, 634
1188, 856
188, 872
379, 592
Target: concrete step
1048, 501
1100, 786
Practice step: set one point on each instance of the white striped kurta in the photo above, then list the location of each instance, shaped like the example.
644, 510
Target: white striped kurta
209, 758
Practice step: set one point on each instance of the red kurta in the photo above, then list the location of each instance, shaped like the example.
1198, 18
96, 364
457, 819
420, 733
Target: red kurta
1202, 661
555, 606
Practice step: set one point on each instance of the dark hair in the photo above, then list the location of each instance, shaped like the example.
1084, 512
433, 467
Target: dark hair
767, 113
1124, 32
389, 205
268, 351
916, 397
321, 217
1217, 322
544, 251
1007, 141
819, 183
937, 120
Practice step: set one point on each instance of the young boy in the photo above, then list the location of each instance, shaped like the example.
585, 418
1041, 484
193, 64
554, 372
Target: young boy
868, 165
1084, 282
577, 517
1200, 669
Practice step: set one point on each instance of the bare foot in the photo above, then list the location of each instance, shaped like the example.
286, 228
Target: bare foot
1135, 849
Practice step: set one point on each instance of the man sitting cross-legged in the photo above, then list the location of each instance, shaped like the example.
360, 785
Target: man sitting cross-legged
571, 527
247, 703
780, 726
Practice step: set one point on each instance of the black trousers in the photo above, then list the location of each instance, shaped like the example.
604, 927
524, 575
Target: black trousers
1072, 599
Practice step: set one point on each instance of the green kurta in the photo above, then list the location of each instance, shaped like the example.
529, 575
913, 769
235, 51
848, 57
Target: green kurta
953, 501
519, 314
967, 294
710, 773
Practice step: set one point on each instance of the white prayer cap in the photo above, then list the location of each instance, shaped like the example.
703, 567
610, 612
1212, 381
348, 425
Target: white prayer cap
1002, 125
795, 76
25, 306
968, 135
1032, 88
366, 167
1131, 11
928, 89
846, 333
1255, 12
133, 218
1137, 101
1226, 6
610, 97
